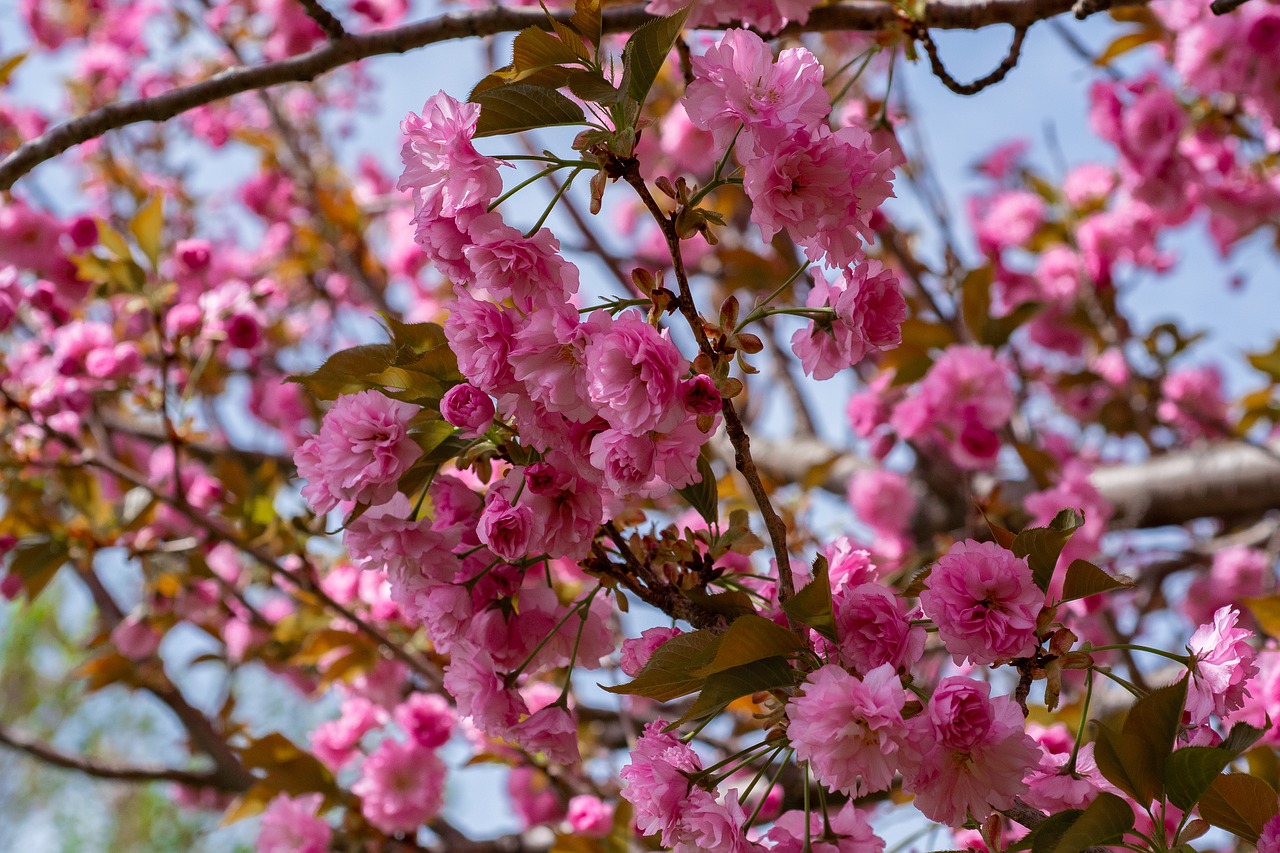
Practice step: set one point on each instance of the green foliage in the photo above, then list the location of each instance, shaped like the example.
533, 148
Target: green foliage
1192, 769
704, 495
1042, 545
647, 50
1085, 579
1103, 823
811, 605
1239, 803
1135, 758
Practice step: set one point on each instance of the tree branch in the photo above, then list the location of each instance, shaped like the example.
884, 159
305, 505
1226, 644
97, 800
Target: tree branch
1230, 478
859, 15
324, 18
100, 770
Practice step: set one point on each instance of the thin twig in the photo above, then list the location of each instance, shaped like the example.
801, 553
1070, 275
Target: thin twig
940, 71
101, 770
328, 22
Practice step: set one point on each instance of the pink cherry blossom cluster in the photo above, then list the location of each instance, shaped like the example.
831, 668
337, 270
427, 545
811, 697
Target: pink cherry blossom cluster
821, 186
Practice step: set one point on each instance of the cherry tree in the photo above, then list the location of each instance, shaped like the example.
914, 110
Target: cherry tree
358, 478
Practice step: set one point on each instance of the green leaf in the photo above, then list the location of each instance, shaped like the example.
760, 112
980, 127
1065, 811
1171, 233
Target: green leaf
669, 673
1085, 579
1104, 822
1266, 610
347, 371
732, 603
724, 687
147, 226
751, 638
1268, 362
587, 21
551, 77
535, 49
1125, 762
591, 86
647, 50
521, 106
996, 331
1045, 837
1239, 803
812, 605
1042, 545
1192, 769
975, 298
1135, 759
704, 495
36, 561
571, 38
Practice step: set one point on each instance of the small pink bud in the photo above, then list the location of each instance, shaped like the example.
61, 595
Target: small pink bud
468, 408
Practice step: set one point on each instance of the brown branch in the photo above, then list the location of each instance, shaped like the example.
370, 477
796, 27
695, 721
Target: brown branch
861, 15
630, 170
324, 18
940, 70
1229, 478
101, 770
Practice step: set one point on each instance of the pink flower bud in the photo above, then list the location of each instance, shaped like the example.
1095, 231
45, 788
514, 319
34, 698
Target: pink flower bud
469, 409
83, 232
193, 254
701, 396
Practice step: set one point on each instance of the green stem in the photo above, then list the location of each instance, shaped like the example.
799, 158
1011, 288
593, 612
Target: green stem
773, 780
870, 54
514, 674
1084, 720
1182, 659
555, 198
715, 182
752, 317
555, 167
573, 656
742, 798
808, 829
1127, 685
616, 305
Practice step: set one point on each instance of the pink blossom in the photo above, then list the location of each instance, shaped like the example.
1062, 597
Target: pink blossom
481, 335
1054, 789
469, 409
506, 529
385, 538
633, 376
875, 628
655, 782
637, 651
553, 731
442, 167
427, 719
768, 16
290, 825
738, 83
401, 786
135, 638
882, 499
335, 742
984, 602
711, 824
850, 833
848, 564
527, 270
361, 451
472, 679
1193, 402
1008, 219
534, 798
548, 357
973, 753
868, 310
1222, 664
590, 816
822, 188
1269, 840
849, 729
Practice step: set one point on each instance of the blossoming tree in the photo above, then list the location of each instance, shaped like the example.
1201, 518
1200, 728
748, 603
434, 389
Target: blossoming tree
474, 479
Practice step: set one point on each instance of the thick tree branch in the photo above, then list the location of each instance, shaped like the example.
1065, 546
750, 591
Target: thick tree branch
1220, 480
861, 15
100, 770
